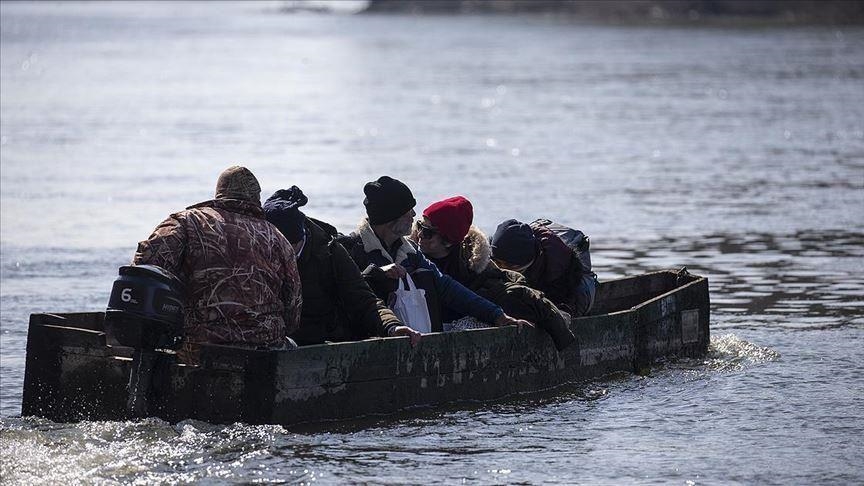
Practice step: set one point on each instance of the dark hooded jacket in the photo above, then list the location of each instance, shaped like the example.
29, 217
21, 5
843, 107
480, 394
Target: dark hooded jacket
557, 272
338, 305
470, 263
446, 298
242, 284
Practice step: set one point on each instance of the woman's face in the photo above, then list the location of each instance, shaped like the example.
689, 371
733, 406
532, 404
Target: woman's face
430, 240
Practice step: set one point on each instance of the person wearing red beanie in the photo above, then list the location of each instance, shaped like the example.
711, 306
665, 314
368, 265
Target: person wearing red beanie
459, 249
384, 255
452, 217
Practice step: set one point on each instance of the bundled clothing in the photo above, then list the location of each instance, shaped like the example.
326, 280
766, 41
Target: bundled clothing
446, 298
338, 305
470, 264
558, 272
283, 210
551, 265
241, 277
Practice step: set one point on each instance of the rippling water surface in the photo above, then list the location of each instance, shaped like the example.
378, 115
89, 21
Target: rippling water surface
737, 152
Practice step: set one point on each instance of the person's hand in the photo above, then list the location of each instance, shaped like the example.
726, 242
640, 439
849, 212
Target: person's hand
506, 320
413, 336
394, 271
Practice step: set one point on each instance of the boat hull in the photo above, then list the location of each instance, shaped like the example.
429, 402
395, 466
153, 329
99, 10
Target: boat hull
73, 372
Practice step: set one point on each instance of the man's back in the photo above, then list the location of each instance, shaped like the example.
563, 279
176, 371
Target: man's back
241, 278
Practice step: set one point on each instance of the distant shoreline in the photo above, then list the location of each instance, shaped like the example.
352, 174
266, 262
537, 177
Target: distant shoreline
646, 12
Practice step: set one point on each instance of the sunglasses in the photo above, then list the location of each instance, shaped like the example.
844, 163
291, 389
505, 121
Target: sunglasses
427, 231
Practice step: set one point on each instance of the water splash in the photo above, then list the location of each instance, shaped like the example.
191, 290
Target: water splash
731, 353
150, 450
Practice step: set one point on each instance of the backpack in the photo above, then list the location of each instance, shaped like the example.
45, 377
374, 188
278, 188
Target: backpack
578, 242
575, 239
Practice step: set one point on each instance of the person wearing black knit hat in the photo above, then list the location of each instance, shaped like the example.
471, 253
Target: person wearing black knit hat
380, 248
387, 199
338, 305
514, 245
547, 263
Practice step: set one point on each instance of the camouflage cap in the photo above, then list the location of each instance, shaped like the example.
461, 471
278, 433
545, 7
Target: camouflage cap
237, 182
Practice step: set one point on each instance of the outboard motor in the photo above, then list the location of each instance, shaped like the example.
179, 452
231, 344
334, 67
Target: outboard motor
146, 308
145, 312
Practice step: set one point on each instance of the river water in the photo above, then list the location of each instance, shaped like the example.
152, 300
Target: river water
737, 152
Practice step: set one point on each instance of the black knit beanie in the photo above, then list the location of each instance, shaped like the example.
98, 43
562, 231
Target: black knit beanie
282, 209
514, 242
387, 199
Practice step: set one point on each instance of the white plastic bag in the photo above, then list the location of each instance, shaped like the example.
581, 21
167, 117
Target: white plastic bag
409, 305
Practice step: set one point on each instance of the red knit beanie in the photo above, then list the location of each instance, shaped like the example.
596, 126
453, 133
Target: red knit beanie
452, 217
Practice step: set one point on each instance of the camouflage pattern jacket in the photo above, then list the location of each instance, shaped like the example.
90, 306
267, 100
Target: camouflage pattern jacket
241, 277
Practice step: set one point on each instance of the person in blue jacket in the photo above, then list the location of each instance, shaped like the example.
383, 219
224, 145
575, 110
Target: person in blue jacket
381, 250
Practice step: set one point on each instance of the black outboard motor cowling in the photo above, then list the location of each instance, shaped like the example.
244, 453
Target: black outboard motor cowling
145, 310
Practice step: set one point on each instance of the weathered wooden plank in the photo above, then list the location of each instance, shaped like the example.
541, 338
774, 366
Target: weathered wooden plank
352, 399
69, 375
79, 320
518, 355
606, 343
695, 318
383, 358
659, 324
41, 372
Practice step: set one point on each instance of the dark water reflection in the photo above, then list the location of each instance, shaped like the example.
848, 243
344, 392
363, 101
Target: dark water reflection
809, 280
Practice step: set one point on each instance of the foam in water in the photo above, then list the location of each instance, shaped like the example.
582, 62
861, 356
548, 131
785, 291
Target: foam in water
731, 353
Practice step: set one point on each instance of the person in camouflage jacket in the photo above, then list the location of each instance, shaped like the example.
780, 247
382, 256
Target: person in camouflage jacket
242, 283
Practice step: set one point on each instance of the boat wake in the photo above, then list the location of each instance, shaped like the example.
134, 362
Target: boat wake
731, 353
149, 451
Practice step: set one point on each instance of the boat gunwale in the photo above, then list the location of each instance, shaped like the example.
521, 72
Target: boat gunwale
698, 279
330, 345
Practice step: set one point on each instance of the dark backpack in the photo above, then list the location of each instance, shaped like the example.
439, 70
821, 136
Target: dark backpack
578, 243
575, 239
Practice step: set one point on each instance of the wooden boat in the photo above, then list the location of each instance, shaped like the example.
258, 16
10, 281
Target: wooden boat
73, 372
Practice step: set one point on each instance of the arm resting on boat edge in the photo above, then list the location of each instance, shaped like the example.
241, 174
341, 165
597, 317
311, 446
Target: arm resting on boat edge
526, 303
